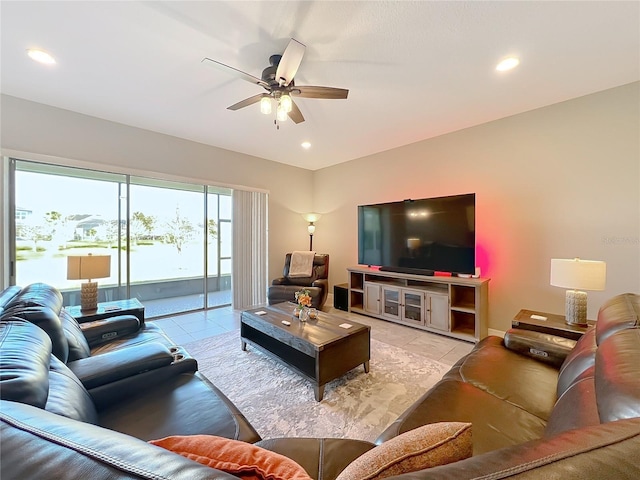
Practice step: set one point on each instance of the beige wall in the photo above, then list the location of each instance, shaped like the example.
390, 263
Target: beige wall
557, 182
81, 140
560, 181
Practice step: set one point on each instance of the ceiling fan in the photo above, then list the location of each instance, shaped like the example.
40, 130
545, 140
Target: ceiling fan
278, 80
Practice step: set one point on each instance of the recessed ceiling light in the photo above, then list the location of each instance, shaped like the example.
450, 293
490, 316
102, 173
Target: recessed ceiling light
508, 63
41, 56
305, 145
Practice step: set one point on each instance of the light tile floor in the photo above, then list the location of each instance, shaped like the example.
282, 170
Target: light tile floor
189, 327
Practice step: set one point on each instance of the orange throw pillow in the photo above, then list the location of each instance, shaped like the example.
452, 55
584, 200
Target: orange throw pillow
241, 459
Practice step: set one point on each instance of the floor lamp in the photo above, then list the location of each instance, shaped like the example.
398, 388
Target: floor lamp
311, 218
88, 267
577, 275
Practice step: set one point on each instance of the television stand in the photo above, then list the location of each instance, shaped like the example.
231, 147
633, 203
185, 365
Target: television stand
414, 271
452, 306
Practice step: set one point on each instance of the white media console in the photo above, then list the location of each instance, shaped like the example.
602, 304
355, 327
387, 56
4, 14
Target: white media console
452, 306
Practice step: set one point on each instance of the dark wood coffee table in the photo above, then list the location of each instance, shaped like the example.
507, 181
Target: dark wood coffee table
319, 350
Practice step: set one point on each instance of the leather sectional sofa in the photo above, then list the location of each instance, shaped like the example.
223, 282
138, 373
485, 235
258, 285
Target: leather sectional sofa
558, 409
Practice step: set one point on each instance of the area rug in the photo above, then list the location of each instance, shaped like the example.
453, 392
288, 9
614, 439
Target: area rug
280, 403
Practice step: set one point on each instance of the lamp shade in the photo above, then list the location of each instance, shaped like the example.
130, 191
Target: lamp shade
578, 274
87, 267
311, 217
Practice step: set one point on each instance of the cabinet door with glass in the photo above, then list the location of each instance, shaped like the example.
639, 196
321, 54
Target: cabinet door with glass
391, 305
437, 311
413, 307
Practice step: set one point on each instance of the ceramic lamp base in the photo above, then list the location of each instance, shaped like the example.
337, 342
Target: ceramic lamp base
575, 308
89, 296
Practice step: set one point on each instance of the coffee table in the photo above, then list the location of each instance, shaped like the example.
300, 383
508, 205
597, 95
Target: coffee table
320, 350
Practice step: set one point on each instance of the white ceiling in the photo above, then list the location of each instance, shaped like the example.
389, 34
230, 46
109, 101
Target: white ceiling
414, 70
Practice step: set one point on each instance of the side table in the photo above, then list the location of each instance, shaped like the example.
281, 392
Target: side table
548, 323
130, 306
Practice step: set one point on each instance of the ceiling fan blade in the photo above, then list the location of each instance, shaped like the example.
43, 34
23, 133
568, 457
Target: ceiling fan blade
247, 101
320, 92
289, 63
238, 73
295, 114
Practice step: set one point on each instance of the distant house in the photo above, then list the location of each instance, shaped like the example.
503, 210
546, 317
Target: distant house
85, 224
22, 213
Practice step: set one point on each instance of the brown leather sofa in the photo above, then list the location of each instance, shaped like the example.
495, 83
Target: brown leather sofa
531, 419
283, 289
118, 373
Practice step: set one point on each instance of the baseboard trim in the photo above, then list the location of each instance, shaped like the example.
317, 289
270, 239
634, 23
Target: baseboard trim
498, 333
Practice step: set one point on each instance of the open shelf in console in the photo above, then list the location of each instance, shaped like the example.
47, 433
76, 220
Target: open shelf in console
463, 298
463, 323
356, 281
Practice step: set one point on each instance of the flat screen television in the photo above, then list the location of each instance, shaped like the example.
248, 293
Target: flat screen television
419, 236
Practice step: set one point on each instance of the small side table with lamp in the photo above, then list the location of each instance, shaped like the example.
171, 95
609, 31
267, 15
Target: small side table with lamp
88, 267
577, 275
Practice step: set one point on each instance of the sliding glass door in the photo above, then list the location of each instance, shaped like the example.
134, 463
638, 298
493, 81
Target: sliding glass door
59, 212
166, 234
162, 236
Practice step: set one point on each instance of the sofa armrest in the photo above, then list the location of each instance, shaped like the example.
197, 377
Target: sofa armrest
321, 283
113, 366
280, 281
544, 347
108, 329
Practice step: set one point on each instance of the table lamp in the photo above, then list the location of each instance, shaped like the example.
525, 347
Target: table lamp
88, 267
577, 275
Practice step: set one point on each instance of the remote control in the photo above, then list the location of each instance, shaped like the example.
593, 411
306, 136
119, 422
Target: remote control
284, 322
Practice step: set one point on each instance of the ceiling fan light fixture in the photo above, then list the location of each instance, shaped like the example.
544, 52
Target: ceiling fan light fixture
286, 102
265, 105
281, 113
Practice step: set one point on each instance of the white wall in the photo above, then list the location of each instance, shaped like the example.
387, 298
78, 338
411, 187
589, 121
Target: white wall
80, 140
558, 182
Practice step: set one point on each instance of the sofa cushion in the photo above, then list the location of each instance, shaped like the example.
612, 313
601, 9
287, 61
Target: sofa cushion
188, 404
67, 396
579, 360
7, 295
577, 407
616, 375
423, 447
37, 295
76, 341
618, 313
496, 423
47, 320
322, 458
24, 362
509, 376
242, 459
148, 333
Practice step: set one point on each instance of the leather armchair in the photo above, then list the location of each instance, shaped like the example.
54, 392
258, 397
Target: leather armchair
283, 289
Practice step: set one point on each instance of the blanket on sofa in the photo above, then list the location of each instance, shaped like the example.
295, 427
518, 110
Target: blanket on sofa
301, 264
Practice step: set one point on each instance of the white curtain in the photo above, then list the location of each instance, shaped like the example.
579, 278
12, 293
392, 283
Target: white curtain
249, 251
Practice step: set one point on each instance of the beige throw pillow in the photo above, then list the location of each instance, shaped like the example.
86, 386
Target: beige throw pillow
424, 447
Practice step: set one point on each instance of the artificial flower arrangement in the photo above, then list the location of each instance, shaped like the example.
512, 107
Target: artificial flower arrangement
303, 297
